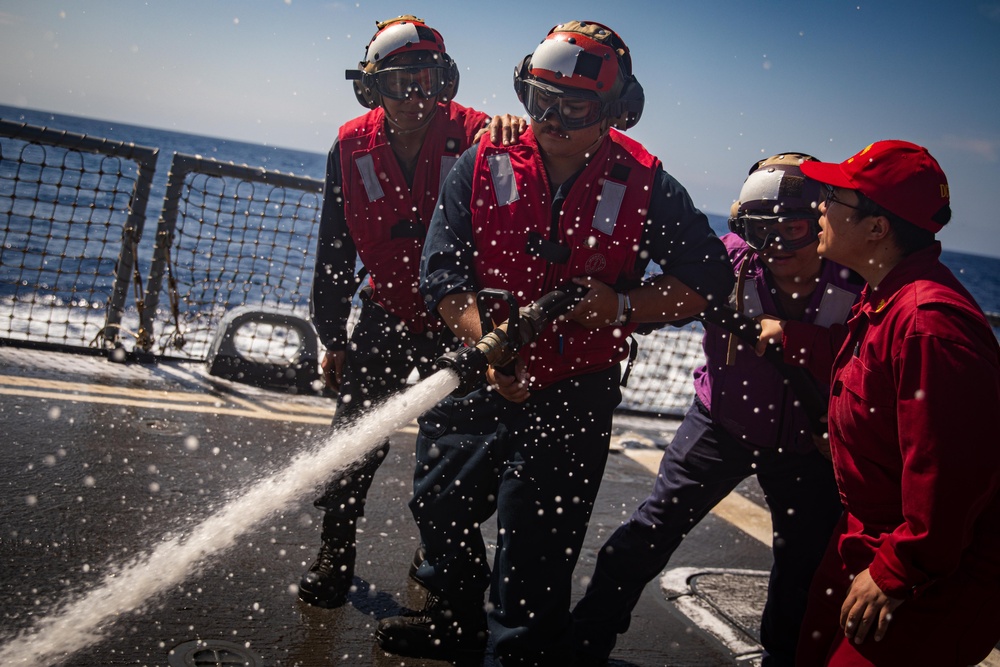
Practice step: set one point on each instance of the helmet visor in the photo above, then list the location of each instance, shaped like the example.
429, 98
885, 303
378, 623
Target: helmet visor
575, 109
398, 83
787, 233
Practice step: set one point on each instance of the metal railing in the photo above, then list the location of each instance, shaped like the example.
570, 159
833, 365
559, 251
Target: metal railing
74, 209
229, 236
228, 239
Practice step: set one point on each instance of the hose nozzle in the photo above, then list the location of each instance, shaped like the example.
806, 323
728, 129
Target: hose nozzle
499, 347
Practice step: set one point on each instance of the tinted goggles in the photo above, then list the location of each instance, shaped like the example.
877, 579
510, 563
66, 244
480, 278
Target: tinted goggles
398, 83
574, 112
787, 233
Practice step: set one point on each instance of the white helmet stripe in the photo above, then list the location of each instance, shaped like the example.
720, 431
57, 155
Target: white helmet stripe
556, 56
394, 37
762, 185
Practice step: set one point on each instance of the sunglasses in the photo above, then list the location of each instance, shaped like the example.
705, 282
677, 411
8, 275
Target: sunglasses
398, 83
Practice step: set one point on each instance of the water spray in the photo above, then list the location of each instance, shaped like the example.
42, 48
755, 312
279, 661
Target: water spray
81, 621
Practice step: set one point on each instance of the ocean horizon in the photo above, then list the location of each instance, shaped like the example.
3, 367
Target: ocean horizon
979, 273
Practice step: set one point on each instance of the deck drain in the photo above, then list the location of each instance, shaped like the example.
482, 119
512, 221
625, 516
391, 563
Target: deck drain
212, 653
160, 426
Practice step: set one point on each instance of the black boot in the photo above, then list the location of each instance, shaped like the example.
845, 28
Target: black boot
440, 631
419, 556
329, 580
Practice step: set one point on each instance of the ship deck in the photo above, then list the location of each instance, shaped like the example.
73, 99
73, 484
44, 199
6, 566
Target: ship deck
101, 460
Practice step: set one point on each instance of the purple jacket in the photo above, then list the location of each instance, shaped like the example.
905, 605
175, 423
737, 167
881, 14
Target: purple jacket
749, 399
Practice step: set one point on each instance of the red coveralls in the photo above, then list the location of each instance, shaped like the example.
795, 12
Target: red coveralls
913, 431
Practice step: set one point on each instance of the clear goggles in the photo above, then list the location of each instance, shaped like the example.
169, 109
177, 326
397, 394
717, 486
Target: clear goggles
785, 233
575, 112
398, 83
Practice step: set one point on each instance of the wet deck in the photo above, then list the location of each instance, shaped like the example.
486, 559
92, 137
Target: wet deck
100, 460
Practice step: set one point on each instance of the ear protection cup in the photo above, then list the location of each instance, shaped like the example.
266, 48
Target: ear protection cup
628, 109
520, 74
735, 224
450, 88
364, 87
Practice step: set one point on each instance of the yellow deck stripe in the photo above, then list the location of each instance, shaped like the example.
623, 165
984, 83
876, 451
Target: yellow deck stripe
284, 406
745, 514
320, 418
737, 510
60, 385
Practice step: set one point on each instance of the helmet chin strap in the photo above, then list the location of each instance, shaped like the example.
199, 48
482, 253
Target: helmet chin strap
742, 273
605, 125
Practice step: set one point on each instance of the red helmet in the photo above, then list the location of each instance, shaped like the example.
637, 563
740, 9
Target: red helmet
404, 35
583, 60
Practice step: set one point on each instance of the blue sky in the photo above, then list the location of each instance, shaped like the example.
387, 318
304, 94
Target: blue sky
727, 81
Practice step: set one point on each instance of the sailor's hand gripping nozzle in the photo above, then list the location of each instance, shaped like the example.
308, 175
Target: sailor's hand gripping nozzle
500, 345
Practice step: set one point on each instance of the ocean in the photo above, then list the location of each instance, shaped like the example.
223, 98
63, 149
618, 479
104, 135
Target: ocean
979, 274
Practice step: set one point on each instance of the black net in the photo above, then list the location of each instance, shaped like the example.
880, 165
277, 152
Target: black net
236, 238
65, 211
229, 239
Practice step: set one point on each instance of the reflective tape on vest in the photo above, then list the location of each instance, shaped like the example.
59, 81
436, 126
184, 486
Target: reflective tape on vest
504, 184
610, 203
366, 167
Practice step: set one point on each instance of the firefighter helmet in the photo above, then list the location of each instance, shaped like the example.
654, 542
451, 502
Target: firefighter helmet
435, 74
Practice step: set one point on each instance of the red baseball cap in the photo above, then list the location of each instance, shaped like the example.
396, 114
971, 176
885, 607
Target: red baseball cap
899, 176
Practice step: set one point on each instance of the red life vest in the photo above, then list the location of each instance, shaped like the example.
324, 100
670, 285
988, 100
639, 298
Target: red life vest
598, 233
387, 219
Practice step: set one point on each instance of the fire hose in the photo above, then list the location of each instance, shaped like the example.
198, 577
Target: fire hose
499, 347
